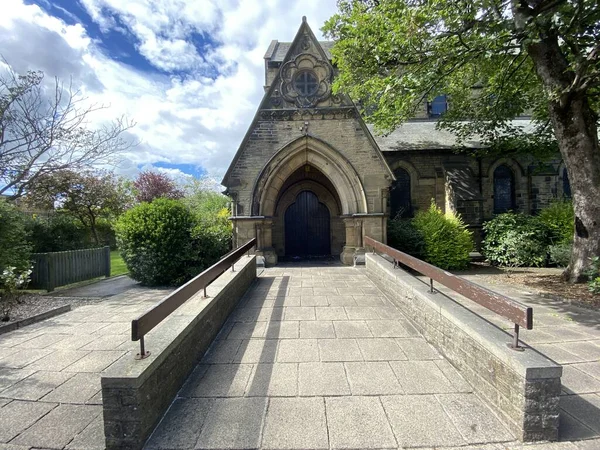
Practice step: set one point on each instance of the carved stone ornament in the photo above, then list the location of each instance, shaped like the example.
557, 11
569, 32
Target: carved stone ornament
305, 80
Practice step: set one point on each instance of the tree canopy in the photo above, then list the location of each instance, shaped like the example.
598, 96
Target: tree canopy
44, 128
495, 60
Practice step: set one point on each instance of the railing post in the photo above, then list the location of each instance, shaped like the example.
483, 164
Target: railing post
232, 267
515, 343
143, 353
431, 290
205, 295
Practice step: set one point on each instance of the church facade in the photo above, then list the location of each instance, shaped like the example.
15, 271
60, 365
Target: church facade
310, 178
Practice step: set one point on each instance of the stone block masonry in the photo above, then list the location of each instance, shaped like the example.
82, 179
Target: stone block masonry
137, 393
523, 388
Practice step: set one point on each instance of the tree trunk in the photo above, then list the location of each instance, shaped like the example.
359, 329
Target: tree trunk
576, 131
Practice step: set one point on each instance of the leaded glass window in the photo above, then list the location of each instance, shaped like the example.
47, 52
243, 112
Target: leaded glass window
400, 203
306, 84
438, 106
504, 189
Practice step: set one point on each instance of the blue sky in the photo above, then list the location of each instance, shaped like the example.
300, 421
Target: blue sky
188, 72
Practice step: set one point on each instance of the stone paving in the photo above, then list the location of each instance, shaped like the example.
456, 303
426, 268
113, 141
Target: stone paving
314, 357
569, 335
317, 357
50, 373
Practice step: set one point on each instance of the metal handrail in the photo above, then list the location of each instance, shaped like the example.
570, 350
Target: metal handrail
155, 315
516, 312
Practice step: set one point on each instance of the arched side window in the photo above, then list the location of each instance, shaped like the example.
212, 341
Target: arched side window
566, 184
438, 106
504, 189
400, 196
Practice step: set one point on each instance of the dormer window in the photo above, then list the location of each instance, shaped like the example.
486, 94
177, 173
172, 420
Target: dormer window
438, 106
306, 83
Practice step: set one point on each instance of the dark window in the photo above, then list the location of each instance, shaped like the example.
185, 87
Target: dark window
400, 204
438, 106
566, 184
504, 189
306, 84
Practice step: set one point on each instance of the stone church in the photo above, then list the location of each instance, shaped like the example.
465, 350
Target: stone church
310, 178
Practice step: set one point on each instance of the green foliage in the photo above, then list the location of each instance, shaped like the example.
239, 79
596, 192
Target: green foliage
559, 218
156, 242
515, 240
560, 254
393, 54
403, 235
12, 280
447, 240
15, 250
593, 274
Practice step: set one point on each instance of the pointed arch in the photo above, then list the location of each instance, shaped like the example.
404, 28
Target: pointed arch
313, 151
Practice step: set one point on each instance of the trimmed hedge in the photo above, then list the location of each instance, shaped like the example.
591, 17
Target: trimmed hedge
404, 236
156, 242
447, 240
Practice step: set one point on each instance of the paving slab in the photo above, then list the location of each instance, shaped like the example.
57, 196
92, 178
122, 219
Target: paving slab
322, 379
17, 416
181, 427
234, 423
296, 423
372, 378
91, 438
257, 350
36, 386
473, 419
313, 329
273, 380
80, 388
381, 349
298, 350
421, 377
358, 422
221, 380
332, 350
59, 426
420, 420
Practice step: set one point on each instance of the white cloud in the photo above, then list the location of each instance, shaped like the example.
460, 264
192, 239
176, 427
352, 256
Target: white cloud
193, 119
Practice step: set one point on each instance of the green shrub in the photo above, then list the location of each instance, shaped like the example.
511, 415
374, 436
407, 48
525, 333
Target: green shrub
593, 274
403, 235
156, 242
514, 240
560, 254
447, 240
559, 219
56, 233
15, 250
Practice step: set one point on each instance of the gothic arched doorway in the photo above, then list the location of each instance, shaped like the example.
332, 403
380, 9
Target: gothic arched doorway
307, 227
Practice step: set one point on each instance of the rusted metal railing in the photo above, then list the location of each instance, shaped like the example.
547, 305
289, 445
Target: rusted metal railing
518, 313
151, 318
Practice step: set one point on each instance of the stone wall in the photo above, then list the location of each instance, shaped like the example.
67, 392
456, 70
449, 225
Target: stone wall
523, 388
135, 394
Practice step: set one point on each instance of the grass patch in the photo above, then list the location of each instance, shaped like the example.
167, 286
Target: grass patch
117, 265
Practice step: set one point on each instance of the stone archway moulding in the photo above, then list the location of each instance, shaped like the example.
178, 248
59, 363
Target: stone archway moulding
313, 151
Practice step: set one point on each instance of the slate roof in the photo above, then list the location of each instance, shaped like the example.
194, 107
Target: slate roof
423, 135
277, 50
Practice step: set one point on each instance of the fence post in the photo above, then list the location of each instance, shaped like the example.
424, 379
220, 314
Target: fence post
107, 261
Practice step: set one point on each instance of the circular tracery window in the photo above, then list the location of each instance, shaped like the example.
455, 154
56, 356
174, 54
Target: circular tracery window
306, 83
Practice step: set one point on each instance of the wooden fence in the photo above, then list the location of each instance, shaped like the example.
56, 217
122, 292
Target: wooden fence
51, 270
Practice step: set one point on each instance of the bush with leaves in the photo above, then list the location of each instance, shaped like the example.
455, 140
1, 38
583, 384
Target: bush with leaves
515, 240
559, 219
593, 274
15, 252
156, 242
402, 235
560, 254
447, 240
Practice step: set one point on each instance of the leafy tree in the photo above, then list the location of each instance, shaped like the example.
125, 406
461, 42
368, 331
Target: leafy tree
495, 59
88, 196
44, 132
151, 185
